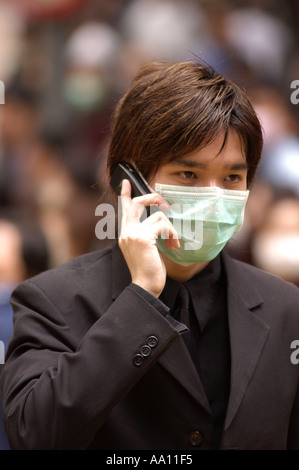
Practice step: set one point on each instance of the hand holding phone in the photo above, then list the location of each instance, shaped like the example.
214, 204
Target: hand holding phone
137, 239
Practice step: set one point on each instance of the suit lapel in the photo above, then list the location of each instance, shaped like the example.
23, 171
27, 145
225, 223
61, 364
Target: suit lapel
248, 333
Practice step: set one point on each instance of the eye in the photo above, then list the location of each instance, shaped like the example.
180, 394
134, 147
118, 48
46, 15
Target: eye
233, 178
187, 175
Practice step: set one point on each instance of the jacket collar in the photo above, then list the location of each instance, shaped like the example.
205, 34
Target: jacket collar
240, 281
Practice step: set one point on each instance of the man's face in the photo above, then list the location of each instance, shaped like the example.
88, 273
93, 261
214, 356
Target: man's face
207, 167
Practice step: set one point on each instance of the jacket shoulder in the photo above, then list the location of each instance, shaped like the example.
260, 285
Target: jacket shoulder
79, 264
85, 273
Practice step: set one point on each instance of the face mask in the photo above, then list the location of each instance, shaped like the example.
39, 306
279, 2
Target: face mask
204, 218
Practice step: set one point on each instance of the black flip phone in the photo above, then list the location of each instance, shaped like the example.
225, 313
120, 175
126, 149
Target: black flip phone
139, 186
124, 170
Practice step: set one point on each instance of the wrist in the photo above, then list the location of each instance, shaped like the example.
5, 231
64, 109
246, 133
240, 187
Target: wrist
153, 301
148, 288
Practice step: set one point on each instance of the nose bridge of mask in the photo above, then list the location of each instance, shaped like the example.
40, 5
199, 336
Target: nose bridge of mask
210, 192
212, 202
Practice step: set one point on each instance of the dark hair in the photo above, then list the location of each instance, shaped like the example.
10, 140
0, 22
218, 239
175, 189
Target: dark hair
173, 109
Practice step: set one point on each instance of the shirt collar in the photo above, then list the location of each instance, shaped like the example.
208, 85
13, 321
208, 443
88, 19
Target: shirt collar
208, 276
197, 285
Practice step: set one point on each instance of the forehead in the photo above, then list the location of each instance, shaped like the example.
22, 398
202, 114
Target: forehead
221, 151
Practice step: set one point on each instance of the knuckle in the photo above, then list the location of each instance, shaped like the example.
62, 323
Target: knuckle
159, 215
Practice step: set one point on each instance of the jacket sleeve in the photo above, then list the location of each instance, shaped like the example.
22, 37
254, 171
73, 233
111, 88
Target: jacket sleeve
59, 386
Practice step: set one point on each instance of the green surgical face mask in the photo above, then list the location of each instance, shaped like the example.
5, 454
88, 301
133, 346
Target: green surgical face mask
204, 218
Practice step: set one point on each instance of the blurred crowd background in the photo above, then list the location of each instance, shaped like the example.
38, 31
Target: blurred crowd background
65, 64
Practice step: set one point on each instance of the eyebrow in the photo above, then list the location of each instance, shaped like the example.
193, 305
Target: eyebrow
203, 166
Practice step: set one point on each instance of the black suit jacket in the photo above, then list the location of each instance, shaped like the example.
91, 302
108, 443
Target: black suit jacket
72, 380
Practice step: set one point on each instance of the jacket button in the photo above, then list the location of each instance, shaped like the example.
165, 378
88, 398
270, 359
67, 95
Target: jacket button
152, 341
195, 438
145, 351
138, 360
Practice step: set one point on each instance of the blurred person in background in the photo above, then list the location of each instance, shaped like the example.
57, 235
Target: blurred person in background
23, 254
279, 166
260, 39
91, 57
90, 81
160, 29
64, 196
20, 123
12, 28
275, 243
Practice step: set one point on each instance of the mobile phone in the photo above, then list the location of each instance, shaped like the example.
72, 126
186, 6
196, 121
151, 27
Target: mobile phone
139, 186
124, 170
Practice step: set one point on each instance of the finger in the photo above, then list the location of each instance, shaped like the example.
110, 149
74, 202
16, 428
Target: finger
156, 217
161, 225
137, 205
134, 212
168, 233
125, 199
131, 211
125, 193
152, 198
171, 243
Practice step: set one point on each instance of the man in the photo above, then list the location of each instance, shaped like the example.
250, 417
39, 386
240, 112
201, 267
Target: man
162, 341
